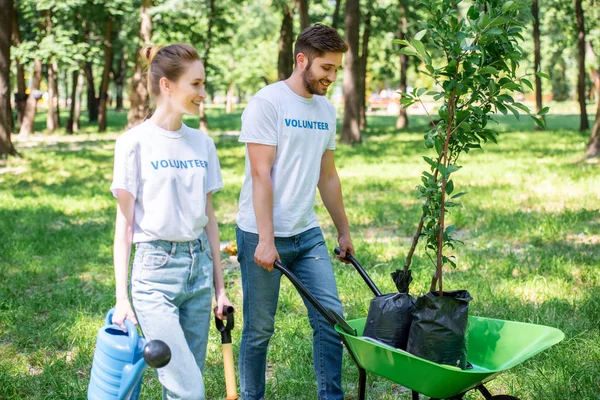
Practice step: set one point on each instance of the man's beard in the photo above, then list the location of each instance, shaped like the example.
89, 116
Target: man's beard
312, 84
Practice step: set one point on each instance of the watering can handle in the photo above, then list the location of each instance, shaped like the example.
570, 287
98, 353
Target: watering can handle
132, 331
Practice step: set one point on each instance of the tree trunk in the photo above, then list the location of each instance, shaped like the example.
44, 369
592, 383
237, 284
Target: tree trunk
302, 6
351, 123
73, 98
336, 14
583, 121
537, 57
285, 62
102, 106
92, 101
78, 101
51, 118
593, 146
31, 105
21, 96
402, 120
230, 98
207, 47
6, 126
138, 96
362, 79
120, 80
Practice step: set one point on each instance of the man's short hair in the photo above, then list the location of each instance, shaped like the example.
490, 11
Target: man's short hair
318, 39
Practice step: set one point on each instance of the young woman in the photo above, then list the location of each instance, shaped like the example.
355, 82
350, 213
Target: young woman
164, 177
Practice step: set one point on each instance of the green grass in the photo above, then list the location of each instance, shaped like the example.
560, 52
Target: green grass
530, 223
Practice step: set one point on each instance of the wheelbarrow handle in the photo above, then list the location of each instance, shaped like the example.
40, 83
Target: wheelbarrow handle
331, 316
350, 258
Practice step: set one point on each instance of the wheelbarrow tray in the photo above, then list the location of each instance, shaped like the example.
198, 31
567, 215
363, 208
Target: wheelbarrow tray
493, 347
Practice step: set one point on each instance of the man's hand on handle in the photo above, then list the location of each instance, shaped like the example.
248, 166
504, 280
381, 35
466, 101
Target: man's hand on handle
266, 254
346, 246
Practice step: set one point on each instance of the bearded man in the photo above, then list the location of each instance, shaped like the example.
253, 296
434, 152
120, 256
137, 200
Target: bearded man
289, 129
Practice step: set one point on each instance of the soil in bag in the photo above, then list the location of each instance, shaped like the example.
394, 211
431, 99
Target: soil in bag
389, 319
439, 327
390, 315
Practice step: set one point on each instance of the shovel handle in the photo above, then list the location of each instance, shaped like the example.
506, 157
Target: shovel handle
350, 258
230, 385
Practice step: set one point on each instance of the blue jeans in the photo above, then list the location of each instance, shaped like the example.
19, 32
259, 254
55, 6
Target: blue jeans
171, 288
306, 256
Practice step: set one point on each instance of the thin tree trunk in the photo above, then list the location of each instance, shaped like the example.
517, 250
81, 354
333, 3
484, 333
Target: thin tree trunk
21, 96
78, 101
138, 96
92, 101
351, 123
364, 58
537, 57
207, 47
31, 106
583, 122
302, 6
402, 120
120, 80
336, 14
285, 62
102, 106
229, 105
69, 127
51, 124
6, 126
593, 146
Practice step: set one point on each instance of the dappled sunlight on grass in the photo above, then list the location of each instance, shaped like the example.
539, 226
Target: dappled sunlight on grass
530, 225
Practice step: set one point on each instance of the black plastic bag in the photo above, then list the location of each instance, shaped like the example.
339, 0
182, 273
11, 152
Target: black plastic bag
389, 319
438, 331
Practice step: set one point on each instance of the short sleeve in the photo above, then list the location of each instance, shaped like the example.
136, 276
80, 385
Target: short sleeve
214, 181
331, 143
126, 168
259, 123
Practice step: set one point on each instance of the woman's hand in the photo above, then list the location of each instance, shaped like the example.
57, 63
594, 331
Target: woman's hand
222, 303
123, 311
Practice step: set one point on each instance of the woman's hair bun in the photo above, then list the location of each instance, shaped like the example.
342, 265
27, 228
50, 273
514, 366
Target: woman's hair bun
149, 52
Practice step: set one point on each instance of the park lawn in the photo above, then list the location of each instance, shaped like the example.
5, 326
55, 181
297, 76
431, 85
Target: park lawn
530, 223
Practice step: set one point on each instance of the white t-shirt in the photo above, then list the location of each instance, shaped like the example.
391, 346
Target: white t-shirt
301, 129
169, 173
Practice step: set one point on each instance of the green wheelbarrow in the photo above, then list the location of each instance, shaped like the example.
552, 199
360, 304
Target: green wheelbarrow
493, 347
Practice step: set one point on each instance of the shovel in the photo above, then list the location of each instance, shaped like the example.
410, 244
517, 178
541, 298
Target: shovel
225, 330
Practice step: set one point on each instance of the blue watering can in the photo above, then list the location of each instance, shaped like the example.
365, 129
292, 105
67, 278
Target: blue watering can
120, 360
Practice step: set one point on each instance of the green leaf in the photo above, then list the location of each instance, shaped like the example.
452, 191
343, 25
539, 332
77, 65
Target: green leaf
430, 161
449, 229
418, 45
495, 31
449, 187
419, 35
527, 82
457, 195
513, 110
409, 51
488, 70
421, 91
506, 6
453, 168
544, 111
400, 41
542, 75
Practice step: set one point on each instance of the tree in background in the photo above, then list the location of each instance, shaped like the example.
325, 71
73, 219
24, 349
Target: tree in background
402, 120
138, 94
6, 126
351, 122
285, 61
581, 92
537, 57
